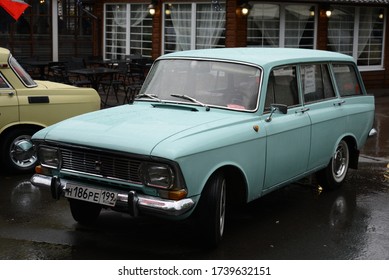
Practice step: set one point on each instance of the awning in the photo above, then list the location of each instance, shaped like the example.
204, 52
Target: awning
14, 7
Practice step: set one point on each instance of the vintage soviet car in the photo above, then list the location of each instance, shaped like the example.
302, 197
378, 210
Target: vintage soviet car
27, 106
210, 129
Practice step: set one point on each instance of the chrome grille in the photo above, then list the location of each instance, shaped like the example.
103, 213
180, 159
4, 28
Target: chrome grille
101, 165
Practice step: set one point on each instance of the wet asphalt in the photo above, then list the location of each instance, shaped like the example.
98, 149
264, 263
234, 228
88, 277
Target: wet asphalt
298, 222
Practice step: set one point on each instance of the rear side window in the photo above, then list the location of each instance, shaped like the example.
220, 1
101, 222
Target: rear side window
346, 80
316, 82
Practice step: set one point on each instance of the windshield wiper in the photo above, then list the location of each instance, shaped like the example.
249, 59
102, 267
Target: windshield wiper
187, 97
151, 96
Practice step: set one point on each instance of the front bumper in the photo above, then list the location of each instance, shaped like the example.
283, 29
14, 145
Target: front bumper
131, 202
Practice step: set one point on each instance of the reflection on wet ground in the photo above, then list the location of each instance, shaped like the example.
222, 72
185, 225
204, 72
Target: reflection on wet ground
297, 222
378, 146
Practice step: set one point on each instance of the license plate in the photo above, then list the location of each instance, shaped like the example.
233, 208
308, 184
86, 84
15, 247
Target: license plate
93, 195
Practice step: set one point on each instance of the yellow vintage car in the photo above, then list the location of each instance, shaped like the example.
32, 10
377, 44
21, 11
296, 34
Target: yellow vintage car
28, 105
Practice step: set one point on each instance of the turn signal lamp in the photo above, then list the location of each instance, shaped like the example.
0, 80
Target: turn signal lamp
173, 195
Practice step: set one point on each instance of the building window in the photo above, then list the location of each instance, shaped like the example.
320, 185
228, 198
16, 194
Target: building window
359, 32
128, 30
284, 25
193, 26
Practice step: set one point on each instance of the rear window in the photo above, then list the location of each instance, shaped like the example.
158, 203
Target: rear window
346, 80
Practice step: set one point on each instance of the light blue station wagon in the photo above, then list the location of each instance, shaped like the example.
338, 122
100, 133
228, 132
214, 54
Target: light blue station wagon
210, 129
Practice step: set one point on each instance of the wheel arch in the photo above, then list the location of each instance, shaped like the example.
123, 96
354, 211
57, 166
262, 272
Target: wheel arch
19, 126
236, 184
353, 150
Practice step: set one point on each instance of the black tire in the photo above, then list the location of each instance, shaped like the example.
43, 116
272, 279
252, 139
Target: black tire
18, 152
332, 177
85, 213
211, 211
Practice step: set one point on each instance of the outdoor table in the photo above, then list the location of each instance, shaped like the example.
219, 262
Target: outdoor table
94, 74
39, 64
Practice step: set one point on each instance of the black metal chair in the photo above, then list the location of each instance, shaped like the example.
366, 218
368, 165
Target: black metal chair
77, 80
116, 82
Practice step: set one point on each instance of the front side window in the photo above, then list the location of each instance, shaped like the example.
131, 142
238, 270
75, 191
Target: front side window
282, 87
21, 73
193, 26
3, 83
358, 32
316, 83
346, 80
220, 84
273, 25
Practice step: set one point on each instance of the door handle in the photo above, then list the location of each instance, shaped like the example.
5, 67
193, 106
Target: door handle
303, 110
339, 103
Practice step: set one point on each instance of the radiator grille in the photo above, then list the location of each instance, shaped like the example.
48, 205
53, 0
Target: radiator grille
97, 164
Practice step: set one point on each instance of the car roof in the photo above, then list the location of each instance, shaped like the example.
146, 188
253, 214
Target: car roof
265, 57
4, 55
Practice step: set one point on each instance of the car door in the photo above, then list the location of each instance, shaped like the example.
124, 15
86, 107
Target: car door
354, 102
288, 134
9, 110
325, 110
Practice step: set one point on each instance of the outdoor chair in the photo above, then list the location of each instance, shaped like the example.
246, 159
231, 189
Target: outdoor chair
77, 80
115, 82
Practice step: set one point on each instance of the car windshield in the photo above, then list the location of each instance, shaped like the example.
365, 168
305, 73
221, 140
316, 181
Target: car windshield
205, 83
21, 73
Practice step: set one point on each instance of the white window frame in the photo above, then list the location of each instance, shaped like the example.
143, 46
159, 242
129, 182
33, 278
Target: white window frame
193, 27
128, 27
355, 43
282, 21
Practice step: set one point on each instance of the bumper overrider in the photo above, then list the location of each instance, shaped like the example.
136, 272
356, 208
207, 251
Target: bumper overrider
131, 202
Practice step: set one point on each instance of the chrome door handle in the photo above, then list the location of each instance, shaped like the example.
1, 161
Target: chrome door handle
339, 103
303, 110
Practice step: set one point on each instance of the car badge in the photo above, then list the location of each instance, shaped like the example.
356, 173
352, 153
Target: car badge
98, 165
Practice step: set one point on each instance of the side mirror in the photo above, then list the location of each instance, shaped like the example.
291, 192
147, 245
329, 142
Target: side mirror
282, 108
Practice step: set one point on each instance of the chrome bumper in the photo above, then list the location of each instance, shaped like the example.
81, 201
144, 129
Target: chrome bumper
131, 201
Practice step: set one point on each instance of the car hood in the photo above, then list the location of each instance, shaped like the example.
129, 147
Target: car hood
142, 127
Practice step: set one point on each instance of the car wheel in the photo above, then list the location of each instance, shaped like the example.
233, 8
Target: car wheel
18, 150
211, 211
334, 174
84, 212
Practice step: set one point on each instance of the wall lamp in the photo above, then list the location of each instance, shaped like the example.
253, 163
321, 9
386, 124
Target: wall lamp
168, 10
152, 7
326, 10
312, 11
381, 14
244, 9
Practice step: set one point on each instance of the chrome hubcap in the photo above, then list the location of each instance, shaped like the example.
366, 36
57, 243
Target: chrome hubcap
22, 152
340, 162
